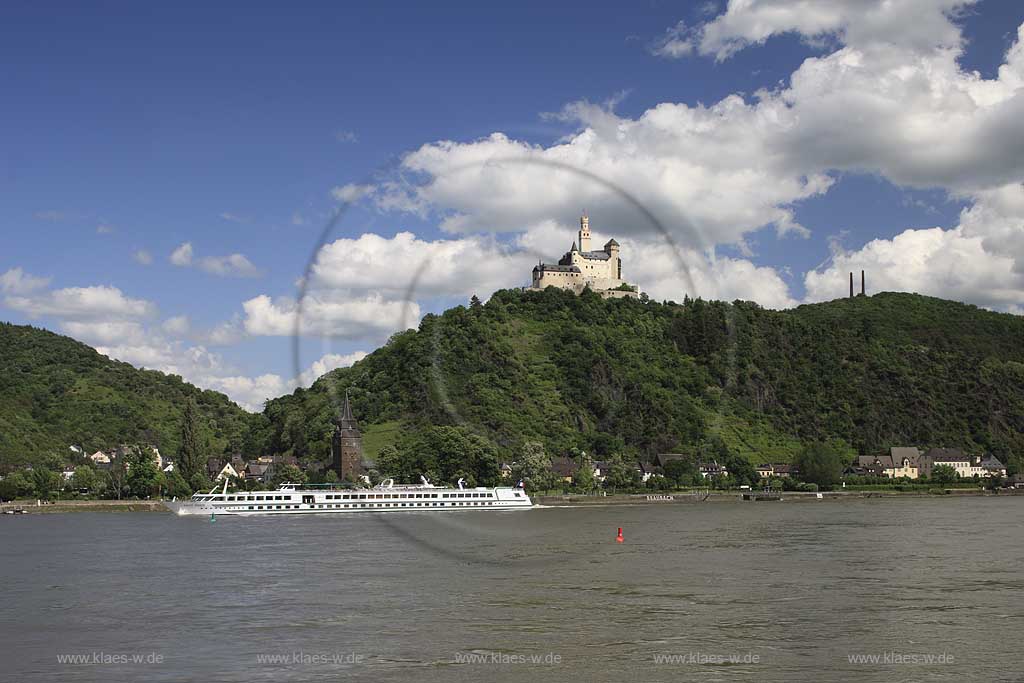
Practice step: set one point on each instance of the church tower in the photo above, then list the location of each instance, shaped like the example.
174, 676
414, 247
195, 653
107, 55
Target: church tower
346, 445
584, 232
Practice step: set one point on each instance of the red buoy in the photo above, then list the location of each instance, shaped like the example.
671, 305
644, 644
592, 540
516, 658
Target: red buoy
619, 539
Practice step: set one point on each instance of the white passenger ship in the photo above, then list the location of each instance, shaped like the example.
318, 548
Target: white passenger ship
291, 499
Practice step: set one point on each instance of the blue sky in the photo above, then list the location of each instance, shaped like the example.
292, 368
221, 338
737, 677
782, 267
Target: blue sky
132, 130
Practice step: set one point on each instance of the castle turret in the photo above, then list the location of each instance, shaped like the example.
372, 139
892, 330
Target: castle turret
584, 232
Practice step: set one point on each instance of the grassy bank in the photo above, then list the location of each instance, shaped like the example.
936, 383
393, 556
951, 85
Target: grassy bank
30, 507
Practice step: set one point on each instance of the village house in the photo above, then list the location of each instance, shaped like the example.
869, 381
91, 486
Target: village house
952, 457
663, 459
993, 466
904, 462
901, 462
214, 466
226, 472
256, 471
966, 466
100, 459
565, 468
568, 469
712, 469
775, 469
706, 469
908, 462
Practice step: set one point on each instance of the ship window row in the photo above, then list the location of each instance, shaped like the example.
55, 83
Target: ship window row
402, 496
353, 496
322, 506
396, 505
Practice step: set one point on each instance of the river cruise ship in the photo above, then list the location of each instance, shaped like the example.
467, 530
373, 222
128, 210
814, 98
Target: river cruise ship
293, 499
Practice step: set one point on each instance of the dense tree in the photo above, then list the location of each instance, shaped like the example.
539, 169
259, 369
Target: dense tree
740, 469
16, 485
443, 454
85, 479
533, 468
682, 472
287, 474
176, 486
45, 482
584, 479
143, 477
622, 473
820, 463
191, 457
116, 480
944, 475
199, 482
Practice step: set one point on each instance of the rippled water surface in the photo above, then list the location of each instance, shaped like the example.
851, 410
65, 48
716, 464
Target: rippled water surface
789, 591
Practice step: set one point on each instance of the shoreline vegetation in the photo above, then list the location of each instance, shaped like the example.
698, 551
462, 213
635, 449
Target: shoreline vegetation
562, 500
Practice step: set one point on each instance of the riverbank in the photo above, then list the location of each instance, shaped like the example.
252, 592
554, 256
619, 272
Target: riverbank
560, 500
737, 496
30, 507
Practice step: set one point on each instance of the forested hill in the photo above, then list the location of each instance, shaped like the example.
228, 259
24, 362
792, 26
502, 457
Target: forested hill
642, 377
55, 391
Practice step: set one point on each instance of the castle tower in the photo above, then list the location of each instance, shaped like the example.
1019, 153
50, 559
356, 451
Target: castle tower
612, 249
346, 444
584, 232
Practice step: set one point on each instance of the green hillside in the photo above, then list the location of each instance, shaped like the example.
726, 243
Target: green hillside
624, 376
607, 377
55, 391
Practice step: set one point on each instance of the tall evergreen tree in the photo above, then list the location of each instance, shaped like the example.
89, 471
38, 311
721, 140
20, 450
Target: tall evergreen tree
190, 455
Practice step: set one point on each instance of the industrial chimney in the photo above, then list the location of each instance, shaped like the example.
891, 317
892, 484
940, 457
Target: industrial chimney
851, 284
862, 283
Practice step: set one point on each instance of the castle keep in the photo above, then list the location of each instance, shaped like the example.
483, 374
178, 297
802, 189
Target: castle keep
581, 268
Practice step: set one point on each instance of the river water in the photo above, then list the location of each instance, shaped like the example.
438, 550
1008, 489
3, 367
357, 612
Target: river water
932, 589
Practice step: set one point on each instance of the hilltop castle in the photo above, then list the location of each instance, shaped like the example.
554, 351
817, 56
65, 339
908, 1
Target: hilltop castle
580, 268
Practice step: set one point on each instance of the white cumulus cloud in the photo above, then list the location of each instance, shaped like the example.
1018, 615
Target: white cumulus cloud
17, 281
182, 255
81, 303
232, 265
332, 314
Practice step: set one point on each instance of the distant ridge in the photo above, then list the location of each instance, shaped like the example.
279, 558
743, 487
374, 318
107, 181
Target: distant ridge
56, 392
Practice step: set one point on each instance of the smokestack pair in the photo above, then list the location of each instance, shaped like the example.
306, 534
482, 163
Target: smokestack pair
861, 283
